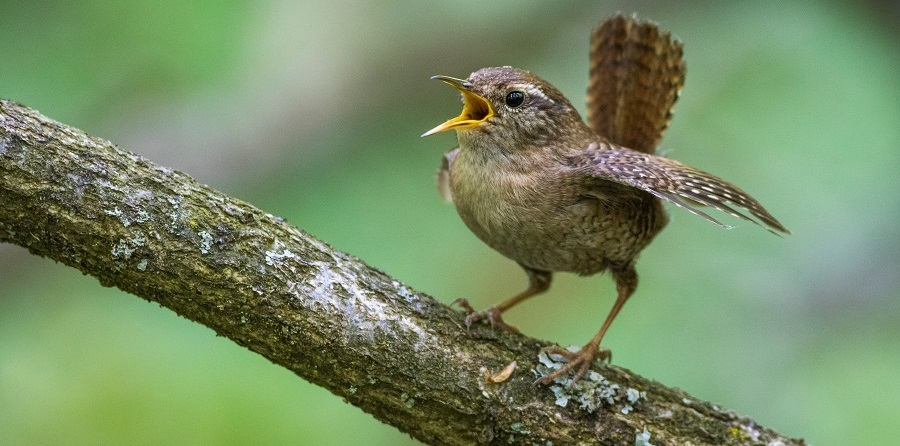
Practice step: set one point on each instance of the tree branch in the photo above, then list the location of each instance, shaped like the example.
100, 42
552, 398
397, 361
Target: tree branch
327, 316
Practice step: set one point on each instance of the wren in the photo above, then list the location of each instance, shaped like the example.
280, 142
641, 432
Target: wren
535, 182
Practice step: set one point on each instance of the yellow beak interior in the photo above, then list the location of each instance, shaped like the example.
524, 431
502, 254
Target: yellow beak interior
476, 109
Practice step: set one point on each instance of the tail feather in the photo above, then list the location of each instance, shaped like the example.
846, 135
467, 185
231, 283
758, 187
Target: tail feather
636, 75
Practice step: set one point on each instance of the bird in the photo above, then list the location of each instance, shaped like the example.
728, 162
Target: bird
554, 193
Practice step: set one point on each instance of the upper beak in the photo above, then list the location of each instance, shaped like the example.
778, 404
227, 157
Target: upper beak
476, 109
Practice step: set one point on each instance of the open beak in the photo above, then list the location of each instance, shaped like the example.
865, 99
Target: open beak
476, 109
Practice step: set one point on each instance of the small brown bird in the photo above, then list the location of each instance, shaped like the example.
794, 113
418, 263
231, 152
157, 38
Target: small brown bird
537, 184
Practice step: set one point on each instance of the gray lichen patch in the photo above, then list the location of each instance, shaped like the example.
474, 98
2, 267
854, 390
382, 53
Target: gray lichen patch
281, 257
140, 216
407, 400
335, 287
127, 246
404, 292
409, 296
642, 438
591, 392
206, 241
177, 214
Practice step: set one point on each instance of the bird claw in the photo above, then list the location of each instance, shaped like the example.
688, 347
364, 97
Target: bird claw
491, 315
582, 359
464, 303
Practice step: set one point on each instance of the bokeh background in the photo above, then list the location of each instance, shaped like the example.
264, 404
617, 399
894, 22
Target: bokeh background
313, 111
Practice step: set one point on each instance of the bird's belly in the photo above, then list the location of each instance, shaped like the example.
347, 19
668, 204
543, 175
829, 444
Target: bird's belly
545, 222
563, 237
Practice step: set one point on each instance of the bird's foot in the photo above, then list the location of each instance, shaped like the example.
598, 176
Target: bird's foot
582, 359
491, 315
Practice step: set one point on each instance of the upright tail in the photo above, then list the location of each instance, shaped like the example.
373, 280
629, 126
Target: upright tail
636, 75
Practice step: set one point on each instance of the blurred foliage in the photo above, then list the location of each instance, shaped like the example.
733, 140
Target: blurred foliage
313, 112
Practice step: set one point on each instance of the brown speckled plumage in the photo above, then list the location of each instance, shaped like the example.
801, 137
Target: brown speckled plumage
636, 75
543, 188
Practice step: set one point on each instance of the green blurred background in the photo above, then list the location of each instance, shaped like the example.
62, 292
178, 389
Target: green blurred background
313, 113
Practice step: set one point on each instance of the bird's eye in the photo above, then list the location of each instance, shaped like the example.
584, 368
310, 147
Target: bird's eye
515, 98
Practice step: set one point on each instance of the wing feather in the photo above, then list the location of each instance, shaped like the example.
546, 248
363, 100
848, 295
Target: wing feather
672, 181
443, 175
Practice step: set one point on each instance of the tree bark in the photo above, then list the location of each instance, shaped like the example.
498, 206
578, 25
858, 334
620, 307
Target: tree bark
392, 351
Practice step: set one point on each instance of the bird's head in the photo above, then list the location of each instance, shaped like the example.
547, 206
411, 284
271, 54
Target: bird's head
509, 104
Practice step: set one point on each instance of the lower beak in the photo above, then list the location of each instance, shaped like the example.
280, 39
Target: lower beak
476, 109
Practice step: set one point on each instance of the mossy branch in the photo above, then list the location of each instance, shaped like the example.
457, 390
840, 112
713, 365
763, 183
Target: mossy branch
328, 317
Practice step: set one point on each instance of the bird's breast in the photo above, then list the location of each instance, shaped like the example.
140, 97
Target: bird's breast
528, 214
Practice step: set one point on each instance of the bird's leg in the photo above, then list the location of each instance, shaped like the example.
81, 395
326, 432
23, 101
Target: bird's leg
538, 282
626, 283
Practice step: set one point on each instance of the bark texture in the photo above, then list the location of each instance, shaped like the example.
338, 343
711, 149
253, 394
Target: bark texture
328, 317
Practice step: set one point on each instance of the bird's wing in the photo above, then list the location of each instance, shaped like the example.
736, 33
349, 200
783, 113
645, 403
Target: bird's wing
672, 181
636, 74
443, 175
